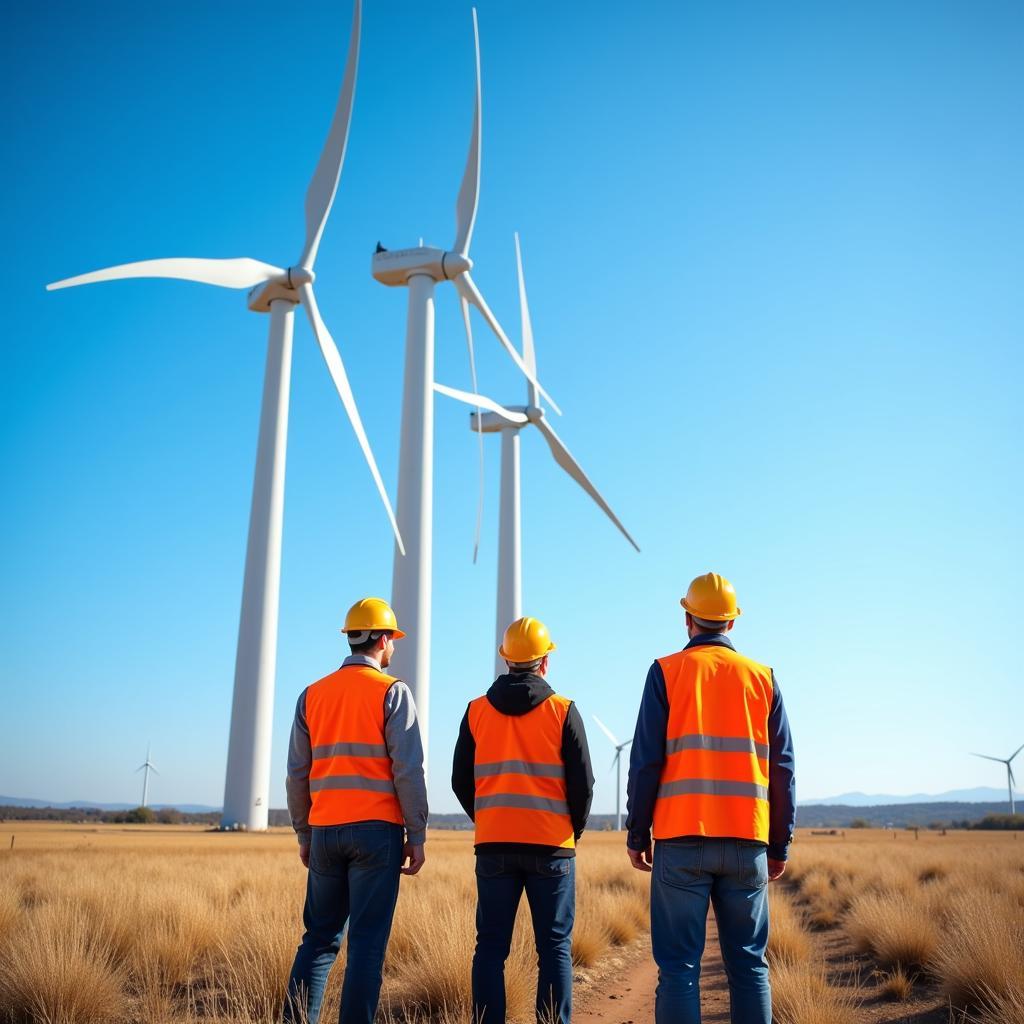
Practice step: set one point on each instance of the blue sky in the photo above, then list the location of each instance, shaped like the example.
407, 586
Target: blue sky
774, 259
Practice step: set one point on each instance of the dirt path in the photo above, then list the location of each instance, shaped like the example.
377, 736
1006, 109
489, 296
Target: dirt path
622, 992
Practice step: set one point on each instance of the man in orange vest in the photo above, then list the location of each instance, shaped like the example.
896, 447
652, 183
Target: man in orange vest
522, 773
711, 773
355, 785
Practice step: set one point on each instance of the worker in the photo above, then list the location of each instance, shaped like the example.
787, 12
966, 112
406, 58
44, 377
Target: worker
522, 773
358, 804
712, 771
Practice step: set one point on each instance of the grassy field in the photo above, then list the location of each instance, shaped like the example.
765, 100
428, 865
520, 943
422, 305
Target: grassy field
165, 924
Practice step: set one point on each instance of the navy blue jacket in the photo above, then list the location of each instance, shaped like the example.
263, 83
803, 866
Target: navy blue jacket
647, 758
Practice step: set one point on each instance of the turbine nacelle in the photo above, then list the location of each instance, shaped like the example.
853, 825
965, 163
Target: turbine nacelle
283, 287
394, 267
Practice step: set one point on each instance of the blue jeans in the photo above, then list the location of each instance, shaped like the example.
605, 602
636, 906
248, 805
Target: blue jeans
353, 880
733, 875
550, 884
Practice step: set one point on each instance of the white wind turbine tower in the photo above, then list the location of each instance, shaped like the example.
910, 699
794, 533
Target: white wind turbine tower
1010, 780
419, 270
149, 767
617, 765
277, 291
508, 421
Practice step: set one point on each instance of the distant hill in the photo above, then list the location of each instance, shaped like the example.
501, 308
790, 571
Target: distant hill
980, 794
17, 801
900, 815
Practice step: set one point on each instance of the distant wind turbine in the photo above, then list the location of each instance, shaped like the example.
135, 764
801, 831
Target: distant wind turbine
149, 767
491, 418
1010, 780
617, 765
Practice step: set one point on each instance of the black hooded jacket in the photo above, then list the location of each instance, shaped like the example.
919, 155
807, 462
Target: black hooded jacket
515, 694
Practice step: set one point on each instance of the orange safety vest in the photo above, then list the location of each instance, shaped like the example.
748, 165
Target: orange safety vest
519, 774
351, 777
715, 778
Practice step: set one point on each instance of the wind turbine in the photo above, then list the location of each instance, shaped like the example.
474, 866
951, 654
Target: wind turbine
277, 291
1010, 780
617, 765
508, 422
420, 270
149, 767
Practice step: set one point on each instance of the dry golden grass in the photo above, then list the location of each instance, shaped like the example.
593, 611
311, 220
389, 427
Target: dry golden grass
802, 994
177, 926
897, 984
788, 941
951, 907
167, 926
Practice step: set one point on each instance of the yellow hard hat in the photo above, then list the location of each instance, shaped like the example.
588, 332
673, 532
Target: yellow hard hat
711, 597
371, 615
525, 640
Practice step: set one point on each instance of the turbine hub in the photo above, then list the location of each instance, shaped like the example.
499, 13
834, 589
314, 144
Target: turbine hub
454, 263
297, 276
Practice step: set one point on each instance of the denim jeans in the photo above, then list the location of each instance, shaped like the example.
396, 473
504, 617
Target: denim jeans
353, 881
550, 884
733, 875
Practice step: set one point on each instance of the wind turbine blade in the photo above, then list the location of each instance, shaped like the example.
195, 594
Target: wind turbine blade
469, 190
469, 291
324, 183
481, 402
1009, 772
572, 467
139, 769
529, 355
233, 273
615, 760
152, 768
987, 758
626, 744
464, 306
1015, 753
335, 367
604, 728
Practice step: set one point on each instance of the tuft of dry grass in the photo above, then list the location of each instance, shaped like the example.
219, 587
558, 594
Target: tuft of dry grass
801, 994
897, 985
980, 962
56, 971
788, 942
890, 927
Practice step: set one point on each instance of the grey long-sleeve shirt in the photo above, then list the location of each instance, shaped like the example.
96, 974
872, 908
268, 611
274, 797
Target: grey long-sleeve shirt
405, 748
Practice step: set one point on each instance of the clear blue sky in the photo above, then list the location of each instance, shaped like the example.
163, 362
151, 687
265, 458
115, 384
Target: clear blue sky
774, 258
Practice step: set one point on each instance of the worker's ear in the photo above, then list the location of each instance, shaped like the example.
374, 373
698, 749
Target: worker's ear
732, 622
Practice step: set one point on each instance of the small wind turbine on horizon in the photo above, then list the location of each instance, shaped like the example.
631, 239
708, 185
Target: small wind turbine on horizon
508, 421
276, 291
149, 767
617, 765
1010, 780
420, 270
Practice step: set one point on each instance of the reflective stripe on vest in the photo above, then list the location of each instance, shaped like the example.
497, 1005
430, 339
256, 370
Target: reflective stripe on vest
351, 777
715, 778
519, 774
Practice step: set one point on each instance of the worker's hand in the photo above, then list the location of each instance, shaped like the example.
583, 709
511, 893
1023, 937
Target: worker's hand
641, 859
776, 869
415, 857
304, 854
